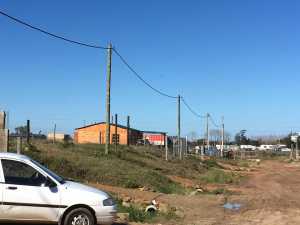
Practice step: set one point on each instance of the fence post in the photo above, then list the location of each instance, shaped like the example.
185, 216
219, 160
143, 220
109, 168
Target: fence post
19, 145
166, 146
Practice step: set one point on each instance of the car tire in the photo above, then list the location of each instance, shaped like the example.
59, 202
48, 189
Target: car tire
79, 214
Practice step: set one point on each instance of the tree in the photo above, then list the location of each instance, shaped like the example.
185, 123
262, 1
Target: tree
21, 130
241, 138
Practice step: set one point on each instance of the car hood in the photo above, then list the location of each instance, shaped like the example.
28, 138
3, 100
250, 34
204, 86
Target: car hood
80, 188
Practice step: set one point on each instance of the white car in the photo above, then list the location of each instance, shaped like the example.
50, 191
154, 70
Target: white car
29, 192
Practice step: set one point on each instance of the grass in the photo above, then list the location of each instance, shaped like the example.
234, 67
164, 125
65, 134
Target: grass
129, 167
88, 163
137, 214
220, 177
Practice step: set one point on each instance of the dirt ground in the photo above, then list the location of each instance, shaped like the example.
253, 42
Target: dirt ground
268, 197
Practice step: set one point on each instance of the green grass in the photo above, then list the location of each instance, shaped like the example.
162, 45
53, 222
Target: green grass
137, 214
220, 177
88, 163
129, 167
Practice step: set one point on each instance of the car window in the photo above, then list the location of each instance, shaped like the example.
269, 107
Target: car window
19, 173
51, 173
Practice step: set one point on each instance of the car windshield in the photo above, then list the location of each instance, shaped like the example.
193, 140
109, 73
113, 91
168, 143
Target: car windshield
52, 174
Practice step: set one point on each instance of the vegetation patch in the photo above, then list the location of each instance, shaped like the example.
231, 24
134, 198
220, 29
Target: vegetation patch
220, 177
138, 214
88, 163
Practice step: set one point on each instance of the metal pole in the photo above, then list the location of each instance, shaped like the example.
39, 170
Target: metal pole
108, 83
19, 145
116, 132
223, 133
297, 150
128, 130
54, 133
166, 146
179, 129
186, 145
207, 131
28, 132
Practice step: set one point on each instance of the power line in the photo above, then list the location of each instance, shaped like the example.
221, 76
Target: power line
50, 34
101, 47
191, 110
140, 77
213, 122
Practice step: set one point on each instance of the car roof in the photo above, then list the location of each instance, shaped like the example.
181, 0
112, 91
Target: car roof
7, 155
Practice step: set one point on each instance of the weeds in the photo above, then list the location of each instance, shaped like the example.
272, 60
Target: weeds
220, 177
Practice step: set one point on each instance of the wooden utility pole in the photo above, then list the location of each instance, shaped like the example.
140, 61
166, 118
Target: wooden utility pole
128, 131
223, 134
54, 133
28, 132
108, 83
179, 128
116, 132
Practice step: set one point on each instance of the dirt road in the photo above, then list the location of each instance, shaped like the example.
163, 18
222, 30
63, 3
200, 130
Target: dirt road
268, 197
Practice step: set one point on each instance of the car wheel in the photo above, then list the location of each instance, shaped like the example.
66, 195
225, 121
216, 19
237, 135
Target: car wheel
80, 216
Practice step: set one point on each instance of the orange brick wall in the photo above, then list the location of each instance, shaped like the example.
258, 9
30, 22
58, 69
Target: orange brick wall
96, 134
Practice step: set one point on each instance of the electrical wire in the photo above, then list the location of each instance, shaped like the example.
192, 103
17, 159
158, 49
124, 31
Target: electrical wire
190, 109
213, 122
50, 34
117, 53
140, 77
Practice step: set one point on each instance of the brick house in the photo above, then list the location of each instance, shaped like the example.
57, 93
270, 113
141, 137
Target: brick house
95, 133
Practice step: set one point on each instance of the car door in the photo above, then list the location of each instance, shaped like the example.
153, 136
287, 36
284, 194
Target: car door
26, 194
1, 192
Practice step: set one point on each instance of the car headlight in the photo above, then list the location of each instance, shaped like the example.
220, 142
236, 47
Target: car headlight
109, 202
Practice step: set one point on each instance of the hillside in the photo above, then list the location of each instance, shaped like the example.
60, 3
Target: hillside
129, 167
136, 175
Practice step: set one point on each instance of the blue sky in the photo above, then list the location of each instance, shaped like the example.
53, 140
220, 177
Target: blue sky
234, 58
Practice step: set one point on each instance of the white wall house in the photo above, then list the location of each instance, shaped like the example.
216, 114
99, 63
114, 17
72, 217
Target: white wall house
248, 147
266, 147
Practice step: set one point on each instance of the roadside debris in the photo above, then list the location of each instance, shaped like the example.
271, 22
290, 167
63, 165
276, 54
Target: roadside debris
153, 207
232, 206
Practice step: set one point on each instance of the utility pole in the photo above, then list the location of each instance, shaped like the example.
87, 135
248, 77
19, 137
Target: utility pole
116, 132
28, 132
179, 129
108, 83
207, 131
223, 134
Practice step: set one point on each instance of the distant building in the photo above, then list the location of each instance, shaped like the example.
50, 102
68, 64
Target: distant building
58, 137
266, 147
96, 133
248, 147
154, 137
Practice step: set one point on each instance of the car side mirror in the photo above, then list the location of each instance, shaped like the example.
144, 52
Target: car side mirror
50, 183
